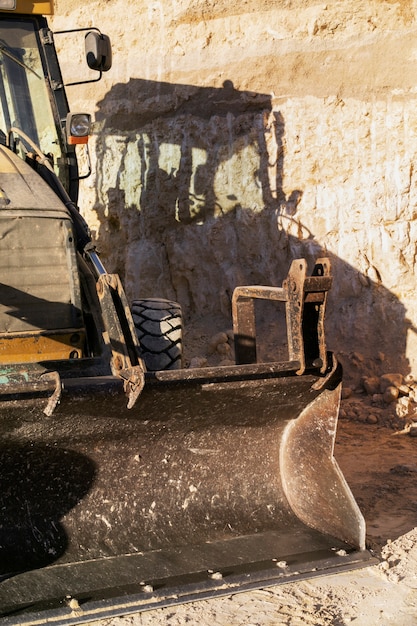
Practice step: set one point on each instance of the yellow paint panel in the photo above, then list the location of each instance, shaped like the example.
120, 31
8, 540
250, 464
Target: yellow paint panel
36, 348
32, 7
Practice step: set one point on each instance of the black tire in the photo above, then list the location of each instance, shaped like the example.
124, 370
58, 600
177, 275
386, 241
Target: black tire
158, 324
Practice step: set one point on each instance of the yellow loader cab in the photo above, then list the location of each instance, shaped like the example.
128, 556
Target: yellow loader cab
40, 297
28, 7
128, 481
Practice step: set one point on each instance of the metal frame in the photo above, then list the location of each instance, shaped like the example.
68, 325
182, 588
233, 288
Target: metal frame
305, 303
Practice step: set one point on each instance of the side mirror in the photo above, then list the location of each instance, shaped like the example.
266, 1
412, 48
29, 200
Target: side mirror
98, 51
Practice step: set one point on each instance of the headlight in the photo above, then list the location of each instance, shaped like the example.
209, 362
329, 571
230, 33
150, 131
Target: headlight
8, 5
78, 127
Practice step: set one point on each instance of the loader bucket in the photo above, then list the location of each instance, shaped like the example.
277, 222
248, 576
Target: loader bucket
219, 480
122, 490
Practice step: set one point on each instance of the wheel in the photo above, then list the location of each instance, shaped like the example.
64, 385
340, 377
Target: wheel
158, 324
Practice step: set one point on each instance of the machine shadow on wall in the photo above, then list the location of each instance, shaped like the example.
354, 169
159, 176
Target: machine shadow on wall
196, 206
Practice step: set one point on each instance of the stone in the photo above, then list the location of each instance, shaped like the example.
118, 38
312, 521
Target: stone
390, 394
215, 341
198, 361
224, 349
390, 380
371, 385
402, 407
404, 390
412, 393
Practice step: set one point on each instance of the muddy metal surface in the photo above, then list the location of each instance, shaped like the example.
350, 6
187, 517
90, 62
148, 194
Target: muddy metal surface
381, 468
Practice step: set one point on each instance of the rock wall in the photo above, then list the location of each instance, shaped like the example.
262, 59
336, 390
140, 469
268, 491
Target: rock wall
230, 139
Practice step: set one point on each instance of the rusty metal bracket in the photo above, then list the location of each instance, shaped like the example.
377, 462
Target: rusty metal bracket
305, 300
54, 399
316, 288
120, 336
134, 382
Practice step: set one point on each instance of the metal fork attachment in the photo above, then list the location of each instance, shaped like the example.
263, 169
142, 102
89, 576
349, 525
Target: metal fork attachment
305, 300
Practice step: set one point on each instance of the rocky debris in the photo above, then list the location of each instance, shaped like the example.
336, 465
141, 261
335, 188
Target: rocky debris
388, 400
217, 342
399, 559
219, 350
198, 361
222, 344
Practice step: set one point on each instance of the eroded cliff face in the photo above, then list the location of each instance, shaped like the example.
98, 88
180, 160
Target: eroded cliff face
229, 140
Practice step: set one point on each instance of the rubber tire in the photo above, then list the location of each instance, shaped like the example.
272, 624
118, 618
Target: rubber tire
158, 324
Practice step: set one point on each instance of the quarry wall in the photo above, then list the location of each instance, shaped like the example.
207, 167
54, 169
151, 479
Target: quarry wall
231, 138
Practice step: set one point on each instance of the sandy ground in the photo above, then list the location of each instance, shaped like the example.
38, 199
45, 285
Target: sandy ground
381, 469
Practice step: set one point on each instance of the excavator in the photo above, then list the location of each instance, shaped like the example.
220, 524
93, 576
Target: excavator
129, 481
